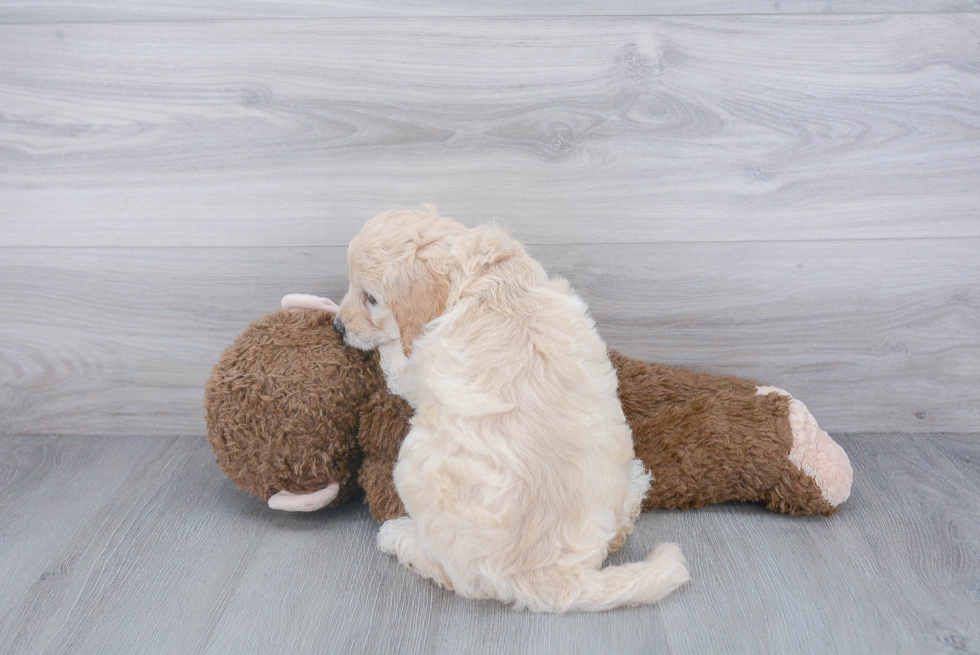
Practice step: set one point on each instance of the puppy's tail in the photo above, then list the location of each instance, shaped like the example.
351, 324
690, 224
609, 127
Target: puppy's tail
638, 583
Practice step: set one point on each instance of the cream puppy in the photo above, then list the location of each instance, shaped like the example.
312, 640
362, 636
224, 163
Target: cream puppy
518, 472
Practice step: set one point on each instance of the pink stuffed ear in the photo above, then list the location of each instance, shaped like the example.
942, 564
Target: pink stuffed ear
311, 502
298, 302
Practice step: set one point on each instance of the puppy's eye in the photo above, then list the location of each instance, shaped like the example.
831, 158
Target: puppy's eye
369, 299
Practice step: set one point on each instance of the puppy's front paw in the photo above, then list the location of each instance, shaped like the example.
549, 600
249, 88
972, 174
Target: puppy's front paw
394, 364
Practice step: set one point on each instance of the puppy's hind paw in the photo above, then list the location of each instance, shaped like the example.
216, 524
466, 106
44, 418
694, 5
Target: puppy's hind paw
401, 537
393, 532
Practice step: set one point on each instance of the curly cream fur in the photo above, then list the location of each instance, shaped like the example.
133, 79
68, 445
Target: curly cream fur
518, 473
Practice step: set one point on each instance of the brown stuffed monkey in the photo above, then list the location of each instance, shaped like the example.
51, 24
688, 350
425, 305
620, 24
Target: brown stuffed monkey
302, 421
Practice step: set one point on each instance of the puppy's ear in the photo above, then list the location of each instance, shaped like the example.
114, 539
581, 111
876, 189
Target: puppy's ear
489, 245
488, 252
426, 300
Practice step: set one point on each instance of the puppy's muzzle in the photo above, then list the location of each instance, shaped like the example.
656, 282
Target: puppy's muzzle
338, 325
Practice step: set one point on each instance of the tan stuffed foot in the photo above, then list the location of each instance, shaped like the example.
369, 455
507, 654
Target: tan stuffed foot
298, 302
815, 453
400, 537
819, 456
289, 502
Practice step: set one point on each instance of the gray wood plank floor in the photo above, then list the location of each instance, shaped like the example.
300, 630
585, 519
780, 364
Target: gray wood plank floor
125, 545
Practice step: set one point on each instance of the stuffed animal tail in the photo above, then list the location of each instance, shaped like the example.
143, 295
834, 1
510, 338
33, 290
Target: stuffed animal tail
637, 583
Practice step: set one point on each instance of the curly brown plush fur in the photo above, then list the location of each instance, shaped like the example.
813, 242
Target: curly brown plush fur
710, 439
283, 406
290, 408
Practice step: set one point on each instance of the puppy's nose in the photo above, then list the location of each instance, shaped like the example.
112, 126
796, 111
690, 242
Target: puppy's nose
338, 325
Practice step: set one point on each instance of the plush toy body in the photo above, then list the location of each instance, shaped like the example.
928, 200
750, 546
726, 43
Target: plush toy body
301, 421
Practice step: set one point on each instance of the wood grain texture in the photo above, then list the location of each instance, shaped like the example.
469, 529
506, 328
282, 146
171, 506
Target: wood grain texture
868, 334
139, 544
49, 11
570, 130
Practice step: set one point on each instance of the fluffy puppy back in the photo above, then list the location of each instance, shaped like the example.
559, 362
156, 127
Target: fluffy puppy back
519, 366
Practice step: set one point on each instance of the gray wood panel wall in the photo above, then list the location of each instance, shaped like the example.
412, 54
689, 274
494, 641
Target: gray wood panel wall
794, 198
42, 11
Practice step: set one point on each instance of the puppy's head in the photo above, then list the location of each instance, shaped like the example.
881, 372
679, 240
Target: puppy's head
399, 277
